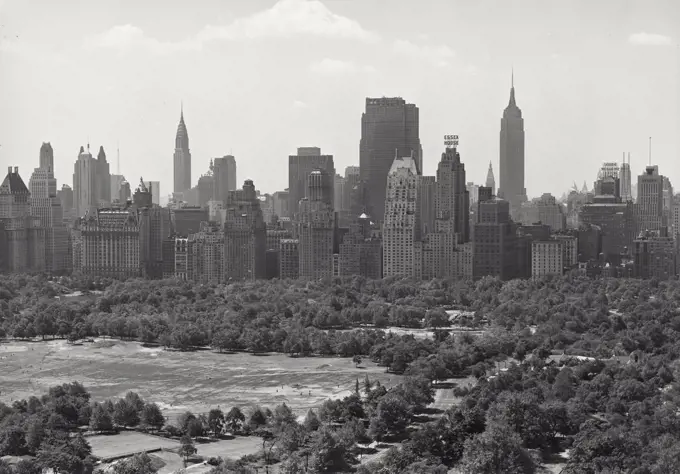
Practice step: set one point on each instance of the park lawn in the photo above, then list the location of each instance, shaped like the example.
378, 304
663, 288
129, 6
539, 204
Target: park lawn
230, 448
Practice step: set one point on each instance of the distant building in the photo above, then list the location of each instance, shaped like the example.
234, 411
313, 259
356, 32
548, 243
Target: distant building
427, 195
317, 227
154, 188
289, 259
654, 256
182, 158
300, 166
511, 186
494, 239
490, 179
116, 181
616, 224
206, 255
389, 128
245, 235
280, 203
550, 212
401, 223
187, 220
85, 181
546, 258
360, 251
225, 177
650, 215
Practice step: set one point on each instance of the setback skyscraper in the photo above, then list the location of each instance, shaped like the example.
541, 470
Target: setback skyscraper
512, 155
389, 128
300, 166
85, 180
182, 158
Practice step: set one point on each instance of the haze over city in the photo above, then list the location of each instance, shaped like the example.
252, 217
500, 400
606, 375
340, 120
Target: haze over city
260, 78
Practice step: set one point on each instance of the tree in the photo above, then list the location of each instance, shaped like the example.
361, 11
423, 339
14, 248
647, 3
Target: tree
329, 453
357, 360
27, 466
12, 441
367, 385
391, 416
186, 448
137, 464
311, 422
216, 421
436, 318
152, 416
234, 420
100, 420
5, 468
498, 449
125, 414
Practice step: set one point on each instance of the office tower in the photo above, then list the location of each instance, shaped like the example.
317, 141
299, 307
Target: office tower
280, 203
205, 251
512, 155
551, 213
389, 128
85, 181
46, 157
616, 224
452, 202
289, 259
668, 205
427, 190
46, 206
625, 180
490, 180
494, 242
110, 245
650, 202
360, 251
245, 235
546, 258
182, 158
654, 256
300, 166
103, 186
352, 179
401, 222
22, 239
275, 233
116, 181
154, 188
267, 206
317, 227
224, 172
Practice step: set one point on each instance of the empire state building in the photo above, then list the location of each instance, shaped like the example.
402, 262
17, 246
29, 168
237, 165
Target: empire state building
511, 186
182, 158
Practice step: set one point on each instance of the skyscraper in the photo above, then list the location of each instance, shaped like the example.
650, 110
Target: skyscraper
224, 171
85, 180
512, 155
317, 226
389, 128
103, 179
401, 222
46, 156
650, 202
182, 158
46, 206
625, 180
490, 180
452, 202
300, 166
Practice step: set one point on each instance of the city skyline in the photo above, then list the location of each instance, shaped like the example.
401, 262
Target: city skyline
585, 99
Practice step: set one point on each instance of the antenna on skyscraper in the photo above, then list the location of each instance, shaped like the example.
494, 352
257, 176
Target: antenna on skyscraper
650, 151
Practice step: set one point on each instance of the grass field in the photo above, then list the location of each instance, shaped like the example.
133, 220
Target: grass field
113, 446
179, 381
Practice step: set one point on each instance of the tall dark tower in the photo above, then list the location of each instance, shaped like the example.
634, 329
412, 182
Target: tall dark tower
182, 158
511, 186
389, 128
103, 178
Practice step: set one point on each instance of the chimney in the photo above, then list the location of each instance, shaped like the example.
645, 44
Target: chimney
16, 170
9, 170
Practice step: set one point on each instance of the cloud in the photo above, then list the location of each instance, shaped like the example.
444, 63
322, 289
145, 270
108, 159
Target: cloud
298, 104
130, 37
289, 18
437, 55
650, 39
337, 66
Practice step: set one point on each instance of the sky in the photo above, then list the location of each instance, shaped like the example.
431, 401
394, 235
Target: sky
259, 78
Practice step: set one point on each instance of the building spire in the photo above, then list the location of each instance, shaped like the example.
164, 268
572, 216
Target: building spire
512, 88
181, 111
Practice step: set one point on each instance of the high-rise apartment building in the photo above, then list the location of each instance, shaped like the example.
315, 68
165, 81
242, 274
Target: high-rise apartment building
224, 171
182, 158
338, 191
452, 201
546, 258
551, 213
654, 256
245, 235
360, 250
401, 222
22, 238
317, 225
205, 249
494, 239
616, 223
389, 128
281, 203
300, 166
85, 182
427, 189
65, 195
352, 180
289, 259
512, 155
46, 206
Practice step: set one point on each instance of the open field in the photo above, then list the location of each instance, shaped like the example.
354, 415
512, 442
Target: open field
230, 448
179, 381
114, 446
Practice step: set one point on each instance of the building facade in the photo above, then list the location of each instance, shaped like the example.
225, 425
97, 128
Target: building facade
300, 166
317, 227
511, 186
